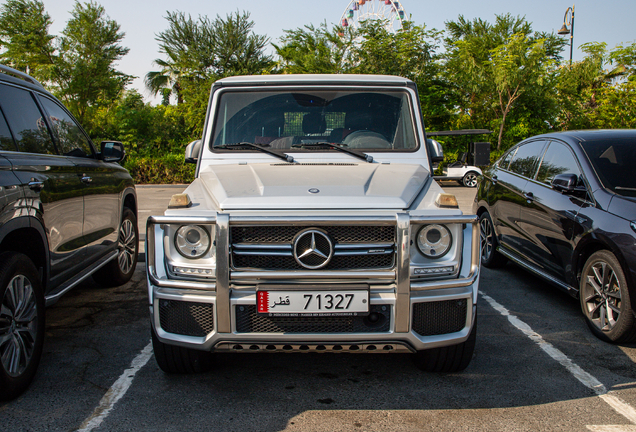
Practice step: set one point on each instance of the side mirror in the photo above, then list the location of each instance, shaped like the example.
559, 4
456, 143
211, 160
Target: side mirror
112, 151
435, 150
192, 152
566, 183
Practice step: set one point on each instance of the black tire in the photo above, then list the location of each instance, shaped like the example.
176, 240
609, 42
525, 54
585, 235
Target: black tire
174, 359
490, 257
605, 300
120, 270
448, 359
21, 323
471, 179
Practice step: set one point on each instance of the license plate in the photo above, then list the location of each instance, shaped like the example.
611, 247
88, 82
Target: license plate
313, 303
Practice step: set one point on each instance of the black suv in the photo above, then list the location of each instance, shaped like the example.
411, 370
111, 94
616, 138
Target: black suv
563, 206
67, 212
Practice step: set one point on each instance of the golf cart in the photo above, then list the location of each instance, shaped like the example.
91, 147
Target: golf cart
465, 169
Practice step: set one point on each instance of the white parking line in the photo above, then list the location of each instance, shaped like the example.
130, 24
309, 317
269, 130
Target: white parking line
584, 377
116, 391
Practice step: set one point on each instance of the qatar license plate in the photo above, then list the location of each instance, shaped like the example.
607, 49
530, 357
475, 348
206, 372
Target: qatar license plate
313, 303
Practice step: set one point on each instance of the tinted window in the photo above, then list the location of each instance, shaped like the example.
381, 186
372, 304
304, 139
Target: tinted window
26, 121
71, 140
614, 162
525, 160
505, 160
558, 159
6, 140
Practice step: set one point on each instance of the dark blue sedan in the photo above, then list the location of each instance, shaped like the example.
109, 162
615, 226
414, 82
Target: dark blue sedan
563, 206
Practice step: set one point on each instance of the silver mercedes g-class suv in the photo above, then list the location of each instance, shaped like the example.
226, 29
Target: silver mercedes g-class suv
313, 225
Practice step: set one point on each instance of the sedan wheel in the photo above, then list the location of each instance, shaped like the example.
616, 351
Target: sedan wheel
127, 246
489, 256
605, 298
470, 179
120, 270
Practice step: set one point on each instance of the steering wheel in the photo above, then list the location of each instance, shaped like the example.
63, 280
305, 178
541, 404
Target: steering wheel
366, 139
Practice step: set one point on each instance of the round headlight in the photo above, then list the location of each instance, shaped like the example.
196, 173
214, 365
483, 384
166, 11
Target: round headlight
434, 241
192, 241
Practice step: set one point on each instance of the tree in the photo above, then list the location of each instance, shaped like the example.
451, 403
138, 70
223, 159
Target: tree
516, 66
484, 65
199, 49
24, 37
85, 70
314, 50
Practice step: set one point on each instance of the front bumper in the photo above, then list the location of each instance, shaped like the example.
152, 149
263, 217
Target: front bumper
416, 314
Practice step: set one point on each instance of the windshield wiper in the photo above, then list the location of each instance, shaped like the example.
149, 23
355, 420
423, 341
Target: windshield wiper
359, 155
241, 145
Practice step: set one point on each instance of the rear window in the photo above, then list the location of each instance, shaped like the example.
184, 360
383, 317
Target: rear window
27, 122
525, 159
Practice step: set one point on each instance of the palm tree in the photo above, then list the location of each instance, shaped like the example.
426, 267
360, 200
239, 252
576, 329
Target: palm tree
166, 81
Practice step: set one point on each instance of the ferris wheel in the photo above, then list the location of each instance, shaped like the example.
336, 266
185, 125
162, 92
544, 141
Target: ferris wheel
389, 11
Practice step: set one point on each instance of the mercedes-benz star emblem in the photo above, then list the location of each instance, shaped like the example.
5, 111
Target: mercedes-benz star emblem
313, 248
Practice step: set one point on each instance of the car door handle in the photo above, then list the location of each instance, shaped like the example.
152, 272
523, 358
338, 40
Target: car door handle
494, 179
529, 196
36, 185
86, 179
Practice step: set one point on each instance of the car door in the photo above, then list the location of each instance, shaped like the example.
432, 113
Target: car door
52, 189
101, 186
549, 219
507, 197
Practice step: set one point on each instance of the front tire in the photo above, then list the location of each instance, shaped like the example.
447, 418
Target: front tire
470, 179
449, 359
21, 323
605, 300
490, 257
120, 270
174, 359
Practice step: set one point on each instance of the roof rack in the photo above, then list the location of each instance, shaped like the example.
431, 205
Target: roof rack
20, 74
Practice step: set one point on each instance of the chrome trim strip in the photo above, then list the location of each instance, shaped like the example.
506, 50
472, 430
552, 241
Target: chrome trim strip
402, 303
259, 246
49, 300
384, 245
223, 314
311, 220
571, 290
421, 219
301, 274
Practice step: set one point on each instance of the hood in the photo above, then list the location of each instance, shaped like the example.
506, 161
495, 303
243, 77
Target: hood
314, 185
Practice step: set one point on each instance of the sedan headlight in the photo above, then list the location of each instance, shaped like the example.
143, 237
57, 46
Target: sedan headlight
192, 241
434, 241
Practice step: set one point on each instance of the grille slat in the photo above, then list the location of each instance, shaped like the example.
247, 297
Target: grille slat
249, 321
338, 233
442, 317
186, 318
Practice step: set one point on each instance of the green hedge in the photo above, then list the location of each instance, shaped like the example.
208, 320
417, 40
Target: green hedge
165, 169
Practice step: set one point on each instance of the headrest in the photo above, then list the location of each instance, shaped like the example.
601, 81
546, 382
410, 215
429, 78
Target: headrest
314, 123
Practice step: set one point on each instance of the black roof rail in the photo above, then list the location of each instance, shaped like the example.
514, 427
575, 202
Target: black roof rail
19, 74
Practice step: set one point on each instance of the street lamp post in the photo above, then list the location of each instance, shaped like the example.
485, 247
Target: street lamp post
565, 31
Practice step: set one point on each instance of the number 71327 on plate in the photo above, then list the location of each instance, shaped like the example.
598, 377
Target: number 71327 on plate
313, 303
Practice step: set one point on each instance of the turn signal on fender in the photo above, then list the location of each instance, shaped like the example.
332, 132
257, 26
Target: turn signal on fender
446, 201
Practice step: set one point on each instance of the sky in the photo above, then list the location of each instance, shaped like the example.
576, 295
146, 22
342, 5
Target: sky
609, 21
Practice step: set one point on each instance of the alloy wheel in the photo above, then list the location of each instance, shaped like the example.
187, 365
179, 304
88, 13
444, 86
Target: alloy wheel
602, 295
18, 326
470, 180
486, 237
127, 246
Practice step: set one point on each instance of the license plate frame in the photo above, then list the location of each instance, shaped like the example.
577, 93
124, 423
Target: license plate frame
317, 302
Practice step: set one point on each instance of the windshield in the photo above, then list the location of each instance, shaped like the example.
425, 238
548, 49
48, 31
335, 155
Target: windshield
614, 162
356, 119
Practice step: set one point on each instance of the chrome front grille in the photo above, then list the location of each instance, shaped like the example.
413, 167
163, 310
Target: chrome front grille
271, 247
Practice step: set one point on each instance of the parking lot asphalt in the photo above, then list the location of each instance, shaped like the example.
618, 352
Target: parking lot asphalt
536, 368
